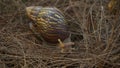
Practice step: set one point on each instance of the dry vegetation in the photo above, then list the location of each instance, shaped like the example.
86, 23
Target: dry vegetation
95, 31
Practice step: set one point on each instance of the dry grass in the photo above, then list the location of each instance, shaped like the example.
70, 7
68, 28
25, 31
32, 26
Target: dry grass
95, 31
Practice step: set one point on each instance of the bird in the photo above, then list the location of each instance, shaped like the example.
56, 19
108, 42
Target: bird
50, 24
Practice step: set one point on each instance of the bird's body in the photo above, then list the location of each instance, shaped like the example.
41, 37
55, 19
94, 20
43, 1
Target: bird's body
49, 23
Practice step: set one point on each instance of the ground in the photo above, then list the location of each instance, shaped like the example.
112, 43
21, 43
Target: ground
95, 31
